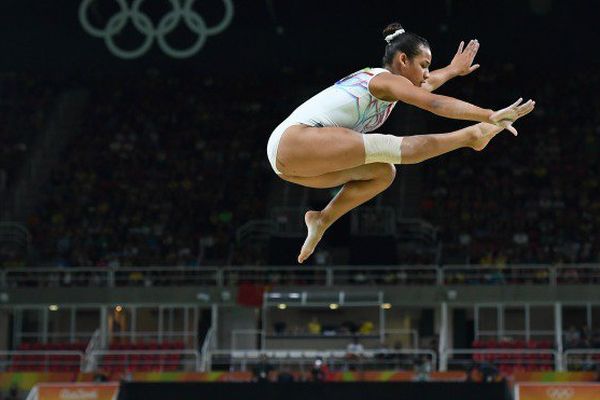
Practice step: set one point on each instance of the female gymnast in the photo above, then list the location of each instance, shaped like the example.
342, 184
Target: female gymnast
323, 144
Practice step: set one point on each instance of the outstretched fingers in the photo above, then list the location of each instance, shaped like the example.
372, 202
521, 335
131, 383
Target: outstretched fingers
472, 48
506, 117
463, 59
525, 109
507, 124
512, 112
516, 103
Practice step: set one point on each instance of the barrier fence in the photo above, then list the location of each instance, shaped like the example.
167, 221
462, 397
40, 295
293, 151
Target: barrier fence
304, 360
146, 360
315, 276
581, 359
244, 360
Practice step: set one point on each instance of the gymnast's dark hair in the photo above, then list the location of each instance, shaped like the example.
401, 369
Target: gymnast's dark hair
406, 42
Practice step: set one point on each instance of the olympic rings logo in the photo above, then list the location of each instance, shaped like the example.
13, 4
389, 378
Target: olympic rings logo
560, 393
145, 26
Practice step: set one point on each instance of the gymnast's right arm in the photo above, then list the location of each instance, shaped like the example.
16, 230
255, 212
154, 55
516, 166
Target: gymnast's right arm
398, 88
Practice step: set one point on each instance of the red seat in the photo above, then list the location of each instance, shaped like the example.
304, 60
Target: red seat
145, 362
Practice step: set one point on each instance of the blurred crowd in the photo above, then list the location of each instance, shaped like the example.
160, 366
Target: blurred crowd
25, 99
168, 168
524, 199
164, 172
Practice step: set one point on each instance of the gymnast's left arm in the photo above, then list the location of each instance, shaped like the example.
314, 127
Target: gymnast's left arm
461, 65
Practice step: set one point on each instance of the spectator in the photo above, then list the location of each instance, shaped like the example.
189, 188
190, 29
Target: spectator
349, 327
366, 328
423, 368
320, 370
279, 327
100, 376
314, 326
572, 337
484, 372
354, 352
285, 376
262, 370
586, 336
385, 354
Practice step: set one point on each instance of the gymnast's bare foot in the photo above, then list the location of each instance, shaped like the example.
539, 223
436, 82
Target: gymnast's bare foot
483, 134
316, 227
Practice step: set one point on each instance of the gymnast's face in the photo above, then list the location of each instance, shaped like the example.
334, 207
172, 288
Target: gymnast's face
416, 69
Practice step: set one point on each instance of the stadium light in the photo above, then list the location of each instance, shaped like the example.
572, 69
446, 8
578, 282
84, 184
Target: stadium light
53, 307
334, 306
282, 306
386, 306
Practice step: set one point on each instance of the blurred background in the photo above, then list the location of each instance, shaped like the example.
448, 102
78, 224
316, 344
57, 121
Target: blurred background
142, 230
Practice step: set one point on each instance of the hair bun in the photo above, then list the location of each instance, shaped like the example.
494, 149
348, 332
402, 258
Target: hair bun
391, 29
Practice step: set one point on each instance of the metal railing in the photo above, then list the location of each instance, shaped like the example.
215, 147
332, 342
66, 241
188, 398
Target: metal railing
156, 336
259, 339
208, 345
493, 275
386, 275
71, 337
392, 335
427, 275
243, 360
94, 344
161, 360
581, 359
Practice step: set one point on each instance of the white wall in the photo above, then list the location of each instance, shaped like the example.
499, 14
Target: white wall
236, 318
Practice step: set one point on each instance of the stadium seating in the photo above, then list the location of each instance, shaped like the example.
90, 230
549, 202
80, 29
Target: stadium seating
162, 154
514, 360
24, 107
489, 205
48, 361
147, 356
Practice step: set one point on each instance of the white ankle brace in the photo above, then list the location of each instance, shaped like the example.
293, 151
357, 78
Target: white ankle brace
382, 148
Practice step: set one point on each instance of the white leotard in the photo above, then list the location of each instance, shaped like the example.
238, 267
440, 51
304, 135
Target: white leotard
348, 103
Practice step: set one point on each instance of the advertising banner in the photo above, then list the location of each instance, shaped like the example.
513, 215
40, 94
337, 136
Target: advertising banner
561, 391
78, 391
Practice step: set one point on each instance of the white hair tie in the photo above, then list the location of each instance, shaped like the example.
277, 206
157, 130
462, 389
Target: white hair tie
391, 37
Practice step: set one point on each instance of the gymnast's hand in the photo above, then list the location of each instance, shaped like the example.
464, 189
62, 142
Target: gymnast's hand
510, 114
461, 63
